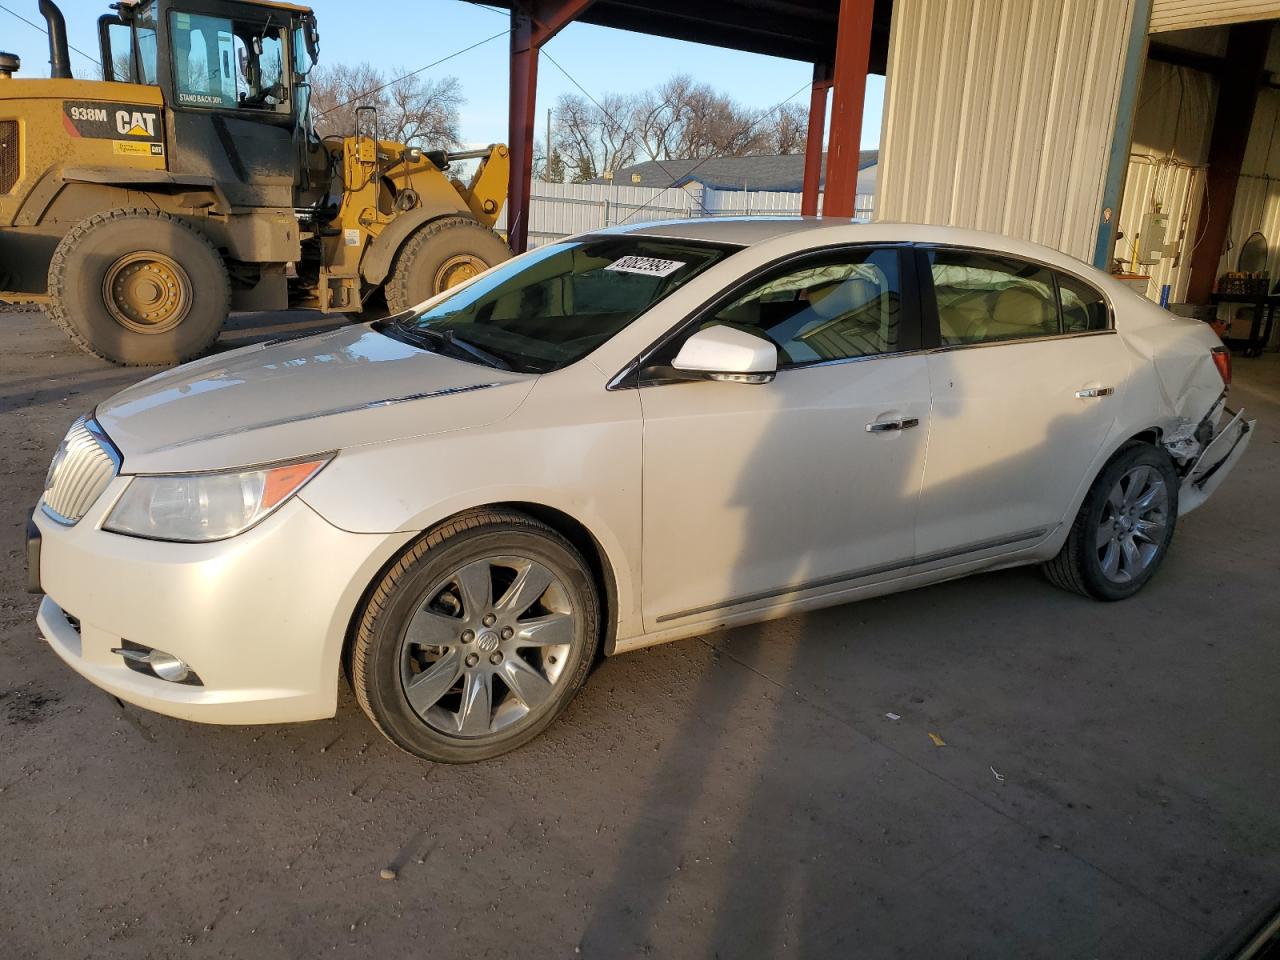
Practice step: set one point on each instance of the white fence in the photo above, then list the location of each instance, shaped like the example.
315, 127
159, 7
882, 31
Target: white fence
562, 209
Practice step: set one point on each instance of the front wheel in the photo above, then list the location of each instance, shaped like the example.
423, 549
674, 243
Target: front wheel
1123, 529
138, 287
443, 254
476, 640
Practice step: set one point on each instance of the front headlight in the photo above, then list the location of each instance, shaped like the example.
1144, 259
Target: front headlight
198, 507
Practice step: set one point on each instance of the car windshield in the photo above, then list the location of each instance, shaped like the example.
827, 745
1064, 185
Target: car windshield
552, 307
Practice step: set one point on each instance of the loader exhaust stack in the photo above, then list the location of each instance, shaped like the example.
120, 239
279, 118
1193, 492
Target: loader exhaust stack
59, 55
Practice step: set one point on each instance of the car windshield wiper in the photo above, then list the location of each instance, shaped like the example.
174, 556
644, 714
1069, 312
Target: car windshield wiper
486, 357
447, 342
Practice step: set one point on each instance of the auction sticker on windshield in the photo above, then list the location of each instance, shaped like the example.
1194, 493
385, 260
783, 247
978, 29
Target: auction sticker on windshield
650, 266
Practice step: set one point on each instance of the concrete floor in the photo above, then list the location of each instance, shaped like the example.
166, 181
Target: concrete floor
1108, 785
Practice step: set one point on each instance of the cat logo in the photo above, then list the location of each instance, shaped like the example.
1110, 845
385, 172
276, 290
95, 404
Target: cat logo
112, 121
136, 123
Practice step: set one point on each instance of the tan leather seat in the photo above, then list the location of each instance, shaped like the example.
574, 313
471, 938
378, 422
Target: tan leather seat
1018, 312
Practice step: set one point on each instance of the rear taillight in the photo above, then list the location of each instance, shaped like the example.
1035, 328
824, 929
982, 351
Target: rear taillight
1222, 360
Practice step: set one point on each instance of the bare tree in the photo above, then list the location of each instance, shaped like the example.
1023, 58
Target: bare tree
787, 129
412, 110
591, 139
678, 119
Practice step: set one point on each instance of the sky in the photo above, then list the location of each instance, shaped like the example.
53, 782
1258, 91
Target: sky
381, 32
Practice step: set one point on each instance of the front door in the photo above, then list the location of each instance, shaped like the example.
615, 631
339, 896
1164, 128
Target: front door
755, 494
1025, 394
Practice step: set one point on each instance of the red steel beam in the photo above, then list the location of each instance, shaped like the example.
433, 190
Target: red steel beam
1241, 76
533, 23
853, 58
813, 145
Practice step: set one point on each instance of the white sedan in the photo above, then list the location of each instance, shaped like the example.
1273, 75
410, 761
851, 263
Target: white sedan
618, 440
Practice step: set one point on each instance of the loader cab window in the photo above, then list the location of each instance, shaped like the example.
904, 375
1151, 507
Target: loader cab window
229, 65
129, 46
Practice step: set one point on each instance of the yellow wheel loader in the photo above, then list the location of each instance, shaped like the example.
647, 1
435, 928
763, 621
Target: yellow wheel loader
141, 208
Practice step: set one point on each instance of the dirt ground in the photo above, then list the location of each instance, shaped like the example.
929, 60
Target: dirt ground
1108, 785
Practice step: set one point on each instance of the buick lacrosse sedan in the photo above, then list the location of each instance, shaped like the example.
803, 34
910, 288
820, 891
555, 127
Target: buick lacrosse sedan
618, 440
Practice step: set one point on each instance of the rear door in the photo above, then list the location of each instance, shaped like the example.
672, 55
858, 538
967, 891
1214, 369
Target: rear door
755, 494
1026, 382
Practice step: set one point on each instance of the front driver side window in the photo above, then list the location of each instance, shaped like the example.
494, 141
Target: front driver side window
983, 298
832, 308
225, 64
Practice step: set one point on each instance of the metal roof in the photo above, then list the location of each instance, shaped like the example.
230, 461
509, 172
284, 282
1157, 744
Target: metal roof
794, 29
774, 172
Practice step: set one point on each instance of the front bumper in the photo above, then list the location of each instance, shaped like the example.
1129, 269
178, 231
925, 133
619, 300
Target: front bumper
261, 618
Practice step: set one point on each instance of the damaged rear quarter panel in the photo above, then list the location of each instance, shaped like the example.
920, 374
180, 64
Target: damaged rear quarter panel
1183, 385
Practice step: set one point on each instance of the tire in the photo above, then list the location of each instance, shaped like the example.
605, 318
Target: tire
439, 255
139, 288
417, 633
1085, 563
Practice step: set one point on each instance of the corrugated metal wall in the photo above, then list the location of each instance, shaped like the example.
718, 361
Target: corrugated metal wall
1184, 14
1167, 166
1257, 206
999, 115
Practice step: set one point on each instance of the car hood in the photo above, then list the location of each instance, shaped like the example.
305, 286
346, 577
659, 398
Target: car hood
279, 401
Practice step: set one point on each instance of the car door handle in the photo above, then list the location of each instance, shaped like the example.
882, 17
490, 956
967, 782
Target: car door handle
1091, 392
883, 426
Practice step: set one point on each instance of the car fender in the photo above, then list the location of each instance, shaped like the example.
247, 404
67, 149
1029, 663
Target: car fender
610, 542
585, 465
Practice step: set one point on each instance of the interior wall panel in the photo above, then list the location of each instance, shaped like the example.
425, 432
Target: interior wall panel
1185, 14
1167, 167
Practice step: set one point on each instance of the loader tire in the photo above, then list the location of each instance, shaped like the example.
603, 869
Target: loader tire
138, 288
441, 254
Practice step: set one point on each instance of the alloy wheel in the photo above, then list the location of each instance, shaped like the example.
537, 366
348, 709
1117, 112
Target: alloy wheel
1131, 532
488, 647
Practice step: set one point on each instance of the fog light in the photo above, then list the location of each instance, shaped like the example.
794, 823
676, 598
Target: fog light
168, 667
163, 665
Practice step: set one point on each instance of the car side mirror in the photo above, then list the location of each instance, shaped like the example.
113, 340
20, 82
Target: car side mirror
726, 353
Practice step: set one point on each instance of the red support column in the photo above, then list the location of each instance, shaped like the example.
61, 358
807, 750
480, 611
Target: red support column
533, 23
853, 55
817, 134
524, 89
1241, 76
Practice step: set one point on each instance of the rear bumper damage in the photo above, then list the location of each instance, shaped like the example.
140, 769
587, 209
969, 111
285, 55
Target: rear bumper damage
1205, 471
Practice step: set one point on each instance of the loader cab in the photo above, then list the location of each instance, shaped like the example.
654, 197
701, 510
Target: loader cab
233, 76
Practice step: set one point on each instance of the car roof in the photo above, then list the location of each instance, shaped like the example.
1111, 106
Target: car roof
742, 231
801, 232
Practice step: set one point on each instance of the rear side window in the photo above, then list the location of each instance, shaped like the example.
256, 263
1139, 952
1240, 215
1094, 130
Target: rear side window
836, 307
982, 297
1083, 308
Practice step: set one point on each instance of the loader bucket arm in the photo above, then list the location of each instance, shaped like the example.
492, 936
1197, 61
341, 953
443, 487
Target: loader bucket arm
487, 191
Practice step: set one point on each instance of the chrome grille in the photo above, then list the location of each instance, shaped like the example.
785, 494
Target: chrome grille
83, 466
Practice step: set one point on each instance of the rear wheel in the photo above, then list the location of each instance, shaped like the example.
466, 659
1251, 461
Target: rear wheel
1123, 529
138, 287
442, 254
476, 640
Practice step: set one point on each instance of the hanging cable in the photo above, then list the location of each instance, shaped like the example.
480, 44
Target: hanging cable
45, 31
391, 83
652, 155
759, 120
627, 135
